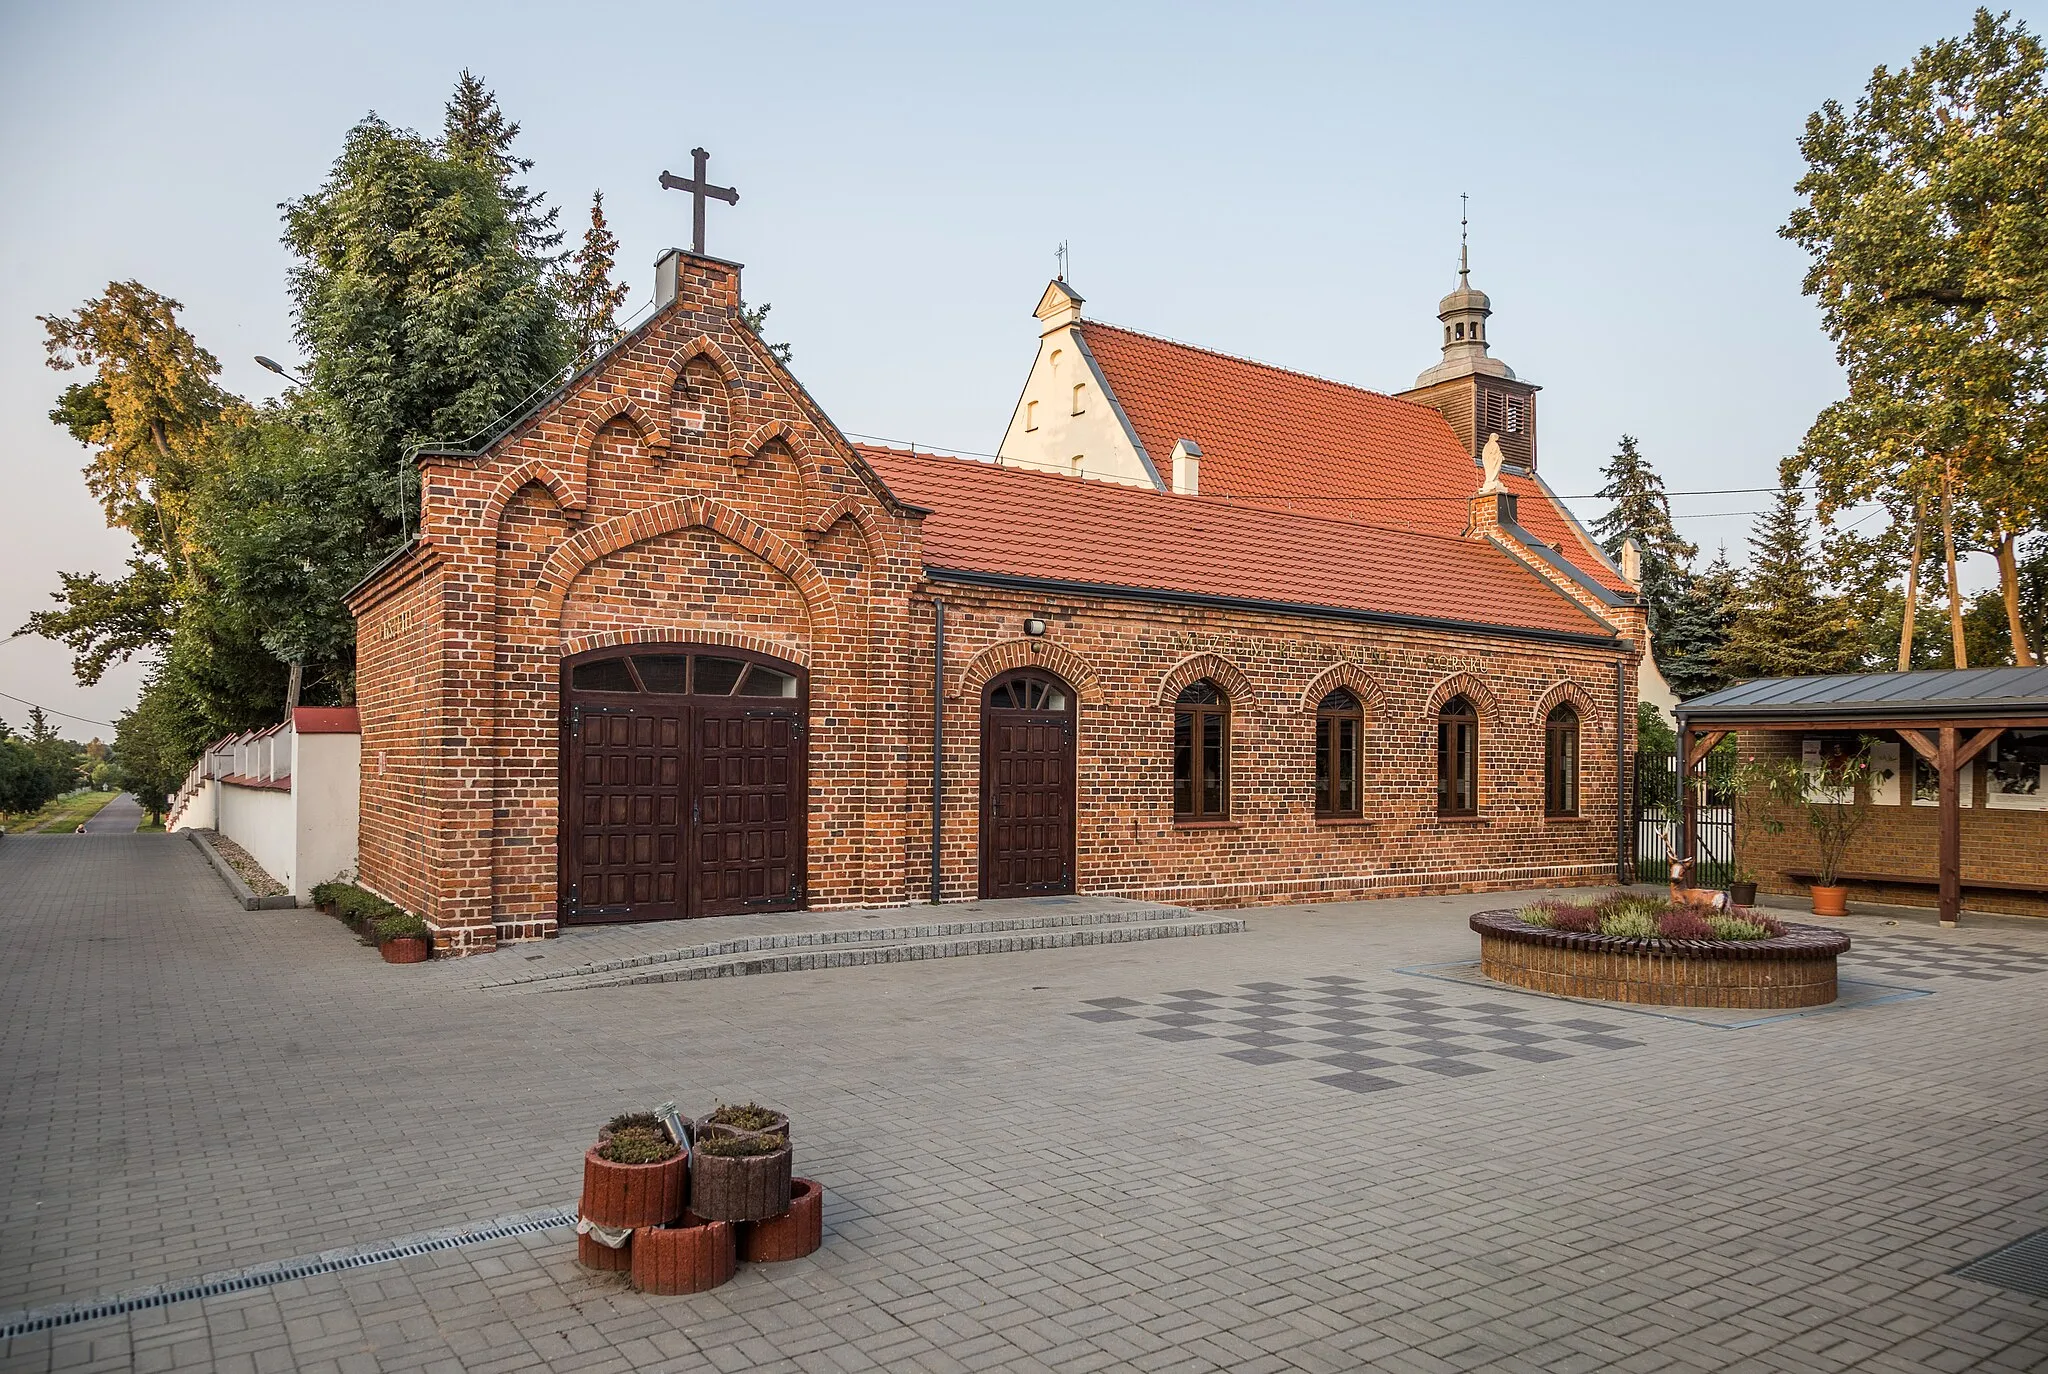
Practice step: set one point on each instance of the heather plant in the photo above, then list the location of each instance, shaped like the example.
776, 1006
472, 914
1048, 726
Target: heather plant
1686, 923
1744, 927
1629, 924
1635, 916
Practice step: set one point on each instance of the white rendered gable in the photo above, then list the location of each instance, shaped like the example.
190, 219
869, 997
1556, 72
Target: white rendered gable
1046, 433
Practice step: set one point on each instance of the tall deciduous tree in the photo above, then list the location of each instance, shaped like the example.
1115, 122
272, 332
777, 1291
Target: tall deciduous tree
1926, 220
590, 297
1785, 623
1641, 511
425, 320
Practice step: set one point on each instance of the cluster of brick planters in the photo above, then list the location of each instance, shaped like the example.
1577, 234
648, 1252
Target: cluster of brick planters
688, 1221
362, 911
1796, 969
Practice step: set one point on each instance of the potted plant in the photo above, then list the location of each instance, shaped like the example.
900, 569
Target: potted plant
740, 1177
634, 1176
402, 939
1836, 802
1749, 795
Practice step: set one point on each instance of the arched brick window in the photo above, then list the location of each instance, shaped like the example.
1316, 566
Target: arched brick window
1457, 758
1561, 763
1201, 753
1340, 728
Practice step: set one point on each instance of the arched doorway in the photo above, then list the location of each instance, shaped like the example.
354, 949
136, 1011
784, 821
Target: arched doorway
1027, 785
683, 783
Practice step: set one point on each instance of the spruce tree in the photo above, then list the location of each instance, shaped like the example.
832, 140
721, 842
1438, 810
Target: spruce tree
474, 130
590, 298
1785, 623
1641, 511
1698, 629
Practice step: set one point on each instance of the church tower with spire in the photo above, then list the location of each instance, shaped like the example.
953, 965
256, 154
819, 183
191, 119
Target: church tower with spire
1477, 392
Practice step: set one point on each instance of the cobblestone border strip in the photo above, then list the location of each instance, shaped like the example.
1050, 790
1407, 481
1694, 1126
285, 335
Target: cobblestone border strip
1116, 934
862, 935
240, 890
34, 1319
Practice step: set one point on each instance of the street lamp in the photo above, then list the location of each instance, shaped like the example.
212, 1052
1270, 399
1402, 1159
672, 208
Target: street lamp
279, 368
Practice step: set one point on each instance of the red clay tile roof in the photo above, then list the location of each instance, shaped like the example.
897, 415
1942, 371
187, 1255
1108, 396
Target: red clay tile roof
991, 519
1288, 441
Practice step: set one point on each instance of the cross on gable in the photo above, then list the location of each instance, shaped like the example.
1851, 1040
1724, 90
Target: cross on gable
699, 186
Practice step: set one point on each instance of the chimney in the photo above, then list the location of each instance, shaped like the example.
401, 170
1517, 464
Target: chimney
1632, 562
1187, 468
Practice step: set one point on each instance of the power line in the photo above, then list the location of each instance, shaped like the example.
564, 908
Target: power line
53, 711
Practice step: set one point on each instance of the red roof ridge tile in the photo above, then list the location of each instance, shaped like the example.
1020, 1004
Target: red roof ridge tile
1212, 501
1260, 363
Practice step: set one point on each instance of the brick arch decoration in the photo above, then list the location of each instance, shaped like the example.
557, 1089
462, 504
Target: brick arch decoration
1027, 652
1466, 685
653, 437
1345, 674
703, 347
1216, 668
680, 634
1562, 693
666, 517
531, 471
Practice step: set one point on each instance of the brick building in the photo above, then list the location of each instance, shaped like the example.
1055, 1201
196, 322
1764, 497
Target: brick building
1215, 633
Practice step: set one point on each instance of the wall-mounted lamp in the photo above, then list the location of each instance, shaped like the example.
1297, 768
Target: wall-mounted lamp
1034, 627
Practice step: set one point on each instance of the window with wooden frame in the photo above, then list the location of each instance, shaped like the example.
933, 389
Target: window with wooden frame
1201, 753
1561, 763
1340, 726
1457, 759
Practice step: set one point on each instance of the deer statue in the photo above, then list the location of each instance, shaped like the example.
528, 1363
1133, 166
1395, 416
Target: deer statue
1683, 893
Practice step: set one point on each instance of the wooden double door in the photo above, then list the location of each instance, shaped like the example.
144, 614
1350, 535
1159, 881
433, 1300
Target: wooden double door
1027, 785
683, 784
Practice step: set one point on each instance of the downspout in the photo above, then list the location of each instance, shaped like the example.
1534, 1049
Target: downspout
938, 737
1621, 806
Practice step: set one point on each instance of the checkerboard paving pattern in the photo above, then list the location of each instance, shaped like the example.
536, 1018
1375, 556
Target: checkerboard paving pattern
1374, 1039
1923, 960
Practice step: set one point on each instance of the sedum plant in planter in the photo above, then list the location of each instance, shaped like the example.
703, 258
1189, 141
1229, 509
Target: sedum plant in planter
741, 1177
752, 1119
402, 939
634, 1176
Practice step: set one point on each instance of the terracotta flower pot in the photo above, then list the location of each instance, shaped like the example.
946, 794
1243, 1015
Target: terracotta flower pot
407, 949
634, 1194
1830, 901
792, 1235
595, 1254
740, 1187
682, 1259
704, 1125
1742, 894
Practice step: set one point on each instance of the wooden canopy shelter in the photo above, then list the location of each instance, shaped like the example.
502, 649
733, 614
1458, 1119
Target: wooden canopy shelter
1948, 717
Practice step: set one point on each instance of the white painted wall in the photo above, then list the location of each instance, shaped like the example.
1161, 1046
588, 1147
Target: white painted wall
326, 793
260, 819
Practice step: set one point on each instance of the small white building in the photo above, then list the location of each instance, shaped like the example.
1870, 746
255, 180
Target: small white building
289, 795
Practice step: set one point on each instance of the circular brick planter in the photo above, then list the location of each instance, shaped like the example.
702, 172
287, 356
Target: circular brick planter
683, 1259
595, 1254
634, 1194
1796, 969
740, 1187
410, 949
792, 1235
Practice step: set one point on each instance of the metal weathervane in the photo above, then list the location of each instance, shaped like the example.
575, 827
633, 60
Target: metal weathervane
699, 186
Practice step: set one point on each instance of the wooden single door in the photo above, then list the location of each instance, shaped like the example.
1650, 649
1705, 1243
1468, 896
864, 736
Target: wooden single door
1027, 786
683, 784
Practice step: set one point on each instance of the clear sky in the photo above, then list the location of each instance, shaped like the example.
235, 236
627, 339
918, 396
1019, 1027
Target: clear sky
1279, 181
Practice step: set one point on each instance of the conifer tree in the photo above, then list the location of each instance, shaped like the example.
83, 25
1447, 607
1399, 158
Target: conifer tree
590, 297
1698, 630
1641, 511
474, 130
1785, 624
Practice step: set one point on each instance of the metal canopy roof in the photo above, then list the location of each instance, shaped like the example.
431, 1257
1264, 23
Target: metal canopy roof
1951, 693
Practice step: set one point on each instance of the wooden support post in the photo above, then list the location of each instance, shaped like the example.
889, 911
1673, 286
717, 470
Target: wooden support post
1951, 831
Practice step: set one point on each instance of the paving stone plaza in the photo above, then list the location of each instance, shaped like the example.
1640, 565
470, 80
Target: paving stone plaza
1316, 1144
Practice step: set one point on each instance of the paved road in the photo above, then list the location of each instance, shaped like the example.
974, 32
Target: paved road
1258, 1152
118, 817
